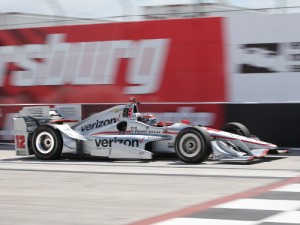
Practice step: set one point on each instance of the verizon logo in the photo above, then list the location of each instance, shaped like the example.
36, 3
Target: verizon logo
84, 63
98, 124
105, 143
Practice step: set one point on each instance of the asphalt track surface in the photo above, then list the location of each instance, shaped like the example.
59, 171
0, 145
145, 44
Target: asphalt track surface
86, 190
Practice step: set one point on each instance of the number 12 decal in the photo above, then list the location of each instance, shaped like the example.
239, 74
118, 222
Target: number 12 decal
20, 141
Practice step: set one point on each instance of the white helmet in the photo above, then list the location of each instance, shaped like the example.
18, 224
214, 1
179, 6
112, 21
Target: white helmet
149, 119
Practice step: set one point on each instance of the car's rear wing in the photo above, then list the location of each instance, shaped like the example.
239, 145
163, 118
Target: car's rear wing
71, 112
35, 112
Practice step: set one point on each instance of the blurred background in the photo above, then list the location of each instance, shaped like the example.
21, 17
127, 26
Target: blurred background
32, 13
208, 61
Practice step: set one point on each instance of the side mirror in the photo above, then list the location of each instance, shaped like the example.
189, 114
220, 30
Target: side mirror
122, 126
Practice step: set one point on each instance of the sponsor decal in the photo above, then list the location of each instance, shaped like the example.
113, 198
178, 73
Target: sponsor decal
188, 113
127, 112
268, 57
142, 153
116, 110
57, 63
20, 141
225, 156
171, 144
107, 143
98, 124
147, 130
21, 152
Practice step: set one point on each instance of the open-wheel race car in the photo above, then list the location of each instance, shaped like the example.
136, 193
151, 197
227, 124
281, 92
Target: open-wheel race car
122, 132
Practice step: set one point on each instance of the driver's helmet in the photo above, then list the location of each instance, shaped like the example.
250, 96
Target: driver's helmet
149, 119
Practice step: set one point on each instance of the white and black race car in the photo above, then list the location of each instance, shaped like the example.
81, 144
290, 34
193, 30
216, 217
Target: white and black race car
122, 132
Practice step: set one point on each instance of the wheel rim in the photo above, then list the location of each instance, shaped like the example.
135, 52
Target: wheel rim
44, 142
190, 145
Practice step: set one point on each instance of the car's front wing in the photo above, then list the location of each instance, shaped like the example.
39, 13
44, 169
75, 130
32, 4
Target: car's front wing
221, 151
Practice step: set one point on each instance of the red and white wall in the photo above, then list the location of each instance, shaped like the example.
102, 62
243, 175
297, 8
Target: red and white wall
157, 61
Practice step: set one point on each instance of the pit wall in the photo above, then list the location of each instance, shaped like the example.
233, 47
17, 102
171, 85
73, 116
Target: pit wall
204, 68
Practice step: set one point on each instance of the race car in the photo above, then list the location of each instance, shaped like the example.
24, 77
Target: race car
122, 132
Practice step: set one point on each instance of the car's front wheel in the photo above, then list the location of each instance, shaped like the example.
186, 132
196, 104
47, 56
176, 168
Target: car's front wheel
47, 143
193, 145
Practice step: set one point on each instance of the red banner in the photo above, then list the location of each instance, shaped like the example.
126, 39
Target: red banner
156, 61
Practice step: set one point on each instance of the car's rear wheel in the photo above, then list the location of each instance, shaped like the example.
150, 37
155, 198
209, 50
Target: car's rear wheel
47, 143
193, 145
236, 128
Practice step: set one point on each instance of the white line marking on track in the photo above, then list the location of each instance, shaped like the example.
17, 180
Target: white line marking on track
198, 221
148, 170
292, 217
261, 204
289, 188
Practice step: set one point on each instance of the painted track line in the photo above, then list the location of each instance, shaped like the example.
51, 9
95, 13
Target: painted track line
204, 206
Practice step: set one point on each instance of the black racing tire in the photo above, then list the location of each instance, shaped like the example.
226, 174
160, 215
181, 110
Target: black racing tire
236, 128
193, 145
47, 143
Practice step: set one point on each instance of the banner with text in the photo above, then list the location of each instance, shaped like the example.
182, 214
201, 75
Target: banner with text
156, 61
263, 58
